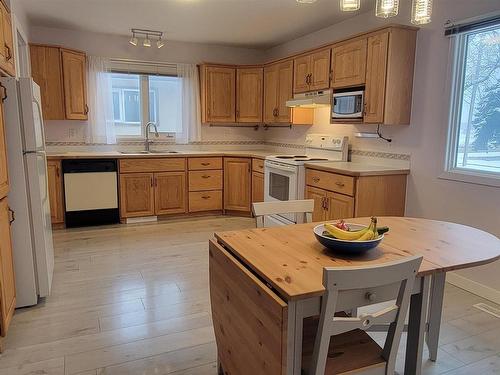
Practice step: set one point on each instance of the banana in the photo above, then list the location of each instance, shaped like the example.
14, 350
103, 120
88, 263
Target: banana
343, 234
370, 233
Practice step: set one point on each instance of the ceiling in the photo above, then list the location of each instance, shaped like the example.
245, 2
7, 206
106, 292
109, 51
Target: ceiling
246, 23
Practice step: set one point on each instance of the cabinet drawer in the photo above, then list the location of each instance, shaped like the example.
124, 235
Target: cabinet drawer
205, 180
204, 163
152, 165
258, 165
205, 200
330, 181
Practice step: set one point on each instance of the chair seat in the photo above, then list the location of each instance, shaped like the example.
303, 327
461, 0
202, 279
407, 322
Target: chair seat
348, 352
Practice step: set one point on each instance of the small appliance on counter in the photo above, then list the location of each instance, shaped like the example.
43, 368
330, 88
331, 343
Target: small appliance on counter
285, 175
90, 192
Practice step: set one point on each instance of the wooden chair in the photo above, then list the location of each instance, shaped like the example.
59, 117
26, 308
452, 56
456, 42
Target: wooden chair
262, 209
337, 343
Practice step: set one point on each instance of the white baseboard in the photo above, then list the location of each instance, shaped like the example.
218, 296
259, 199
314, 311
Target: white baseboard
469, 285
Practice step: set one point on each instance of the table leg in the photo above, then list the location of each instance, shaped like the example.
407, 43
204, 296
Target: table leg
435, 310
416, 328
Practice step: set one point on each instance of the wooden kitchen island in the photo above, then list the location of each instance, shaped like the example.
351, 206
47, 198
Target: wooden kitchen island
265, 282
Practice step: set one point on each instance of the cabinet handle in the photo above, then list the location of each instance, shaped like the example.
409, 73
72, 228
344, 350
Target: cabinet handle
12, 216
58, 174
205, 164
4, 92
238, 113
152, 181
277, 112
340, 184
365, 108
206, 197
205, 176
9, 53
326, 203
316, 179
86, 109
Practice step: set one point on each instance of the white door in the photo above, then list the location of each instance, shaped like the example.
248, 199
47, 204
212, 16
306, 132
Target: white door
41, 226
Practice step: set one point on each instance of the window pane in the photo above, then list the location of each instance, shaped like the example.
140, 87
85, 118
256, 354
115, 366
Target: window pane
165, 102
126, 104
478, 145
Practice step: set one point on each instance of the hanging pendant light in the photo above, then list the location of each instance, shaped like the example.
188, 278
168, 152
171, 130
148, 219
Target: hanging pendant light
387, 8
421, 12
349, 5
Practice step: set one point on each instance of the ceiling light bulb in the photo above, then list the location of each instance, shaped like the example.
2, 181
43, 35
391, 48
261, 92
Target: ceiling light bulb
133, 40
160, 43
421, 12
306, 1
387, 8
147, 42
349, 5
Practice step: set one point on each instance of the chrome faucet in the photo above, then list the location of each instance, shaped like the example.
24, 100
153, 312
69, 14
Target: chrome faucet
147, 127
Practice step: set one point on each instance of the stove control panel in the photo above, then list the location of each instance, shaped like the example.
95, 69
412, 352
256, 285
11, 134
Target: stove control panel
326, 142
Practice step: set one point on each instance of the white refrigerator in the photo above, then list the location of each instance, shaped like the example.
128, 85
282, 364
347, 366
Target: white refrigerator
33, 249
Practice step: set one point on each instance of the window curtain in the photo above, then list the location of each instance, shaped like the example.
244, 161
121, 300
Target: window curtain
189, 129
101, 124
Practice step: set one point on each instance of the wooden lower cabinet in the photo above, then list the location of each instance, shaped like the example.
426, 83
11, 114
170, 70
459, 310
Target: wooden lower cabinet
55, 187
137, 195
205, 201
170, 193
257, 187
7, 280
382, 195
237, 184
247, 315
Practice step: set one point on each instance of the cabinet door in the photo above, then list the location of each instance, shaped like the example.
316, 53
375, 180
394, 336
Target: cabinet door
349, 64
4, 175
320, 70
75, 85
7, 280
237, 184
55, 191
9, 65
376, 72
339, 206
319, 196
46, 70
271, 81
137, 195
257, 187
301, 71
285, 91
220, 94
170, 193
249, 84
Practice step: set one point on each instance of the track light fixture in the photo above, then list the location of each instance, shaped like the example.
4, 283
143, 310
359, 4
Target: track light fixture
147, 34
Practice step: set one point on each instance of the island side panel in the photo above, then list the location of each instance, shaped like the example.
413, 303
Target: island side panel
249, 318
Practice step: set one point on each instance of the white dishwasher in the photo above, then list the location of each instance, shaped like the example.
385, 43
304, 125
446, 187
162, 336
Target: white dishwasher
90, 192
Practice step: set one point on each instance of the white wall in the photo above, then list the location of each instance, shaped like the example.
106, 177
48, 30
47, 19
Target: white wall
424, 139
118, 47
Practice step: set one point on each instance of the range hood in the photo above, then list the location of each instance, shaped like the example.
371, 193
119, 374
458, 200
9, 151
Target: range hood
314, 99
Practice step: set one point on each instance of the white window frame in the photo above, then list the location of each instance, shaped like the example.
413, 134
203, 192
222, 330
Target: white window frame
452, 172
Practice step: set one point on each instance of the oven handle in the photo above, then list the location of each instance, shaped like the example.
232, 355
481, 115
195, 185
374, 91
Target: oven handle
280, 167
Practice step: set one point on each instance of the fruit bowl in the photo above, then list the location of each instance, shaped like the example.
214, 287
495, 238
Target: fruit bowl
346, 246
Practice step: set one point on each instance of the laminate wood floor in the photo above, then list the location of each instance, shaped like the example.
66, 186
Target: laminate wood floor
133, 299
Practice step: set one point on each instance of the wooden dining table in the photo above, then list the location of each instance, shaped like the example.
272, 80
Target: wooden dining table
264, 282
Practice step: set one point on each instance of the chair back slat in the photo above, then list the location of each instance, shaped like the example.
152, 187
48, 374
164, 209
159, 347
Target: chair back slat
262, 209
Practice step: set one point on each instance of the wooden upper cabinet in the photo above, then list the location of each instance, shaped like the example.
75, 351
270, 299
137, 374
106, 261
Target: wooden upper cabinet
4, 175
237, 184
170, 193
8, 64
137, 194
249, 86
7, 279
218, 94
271, 82
285, 91
376, 78
75, 84
55, 188
349, 64
47, 73
312, 71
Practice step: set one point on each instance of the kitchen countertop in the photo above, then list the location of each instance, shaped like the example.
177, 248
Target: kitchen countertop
357, 169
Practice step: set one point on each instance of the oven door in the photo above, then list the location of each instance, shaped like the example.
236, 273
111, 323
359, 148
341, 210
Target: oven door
347, 105
280, 184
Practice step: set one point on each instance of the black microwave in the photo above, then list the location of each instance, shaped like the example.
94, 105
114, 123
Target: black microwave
348, 105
